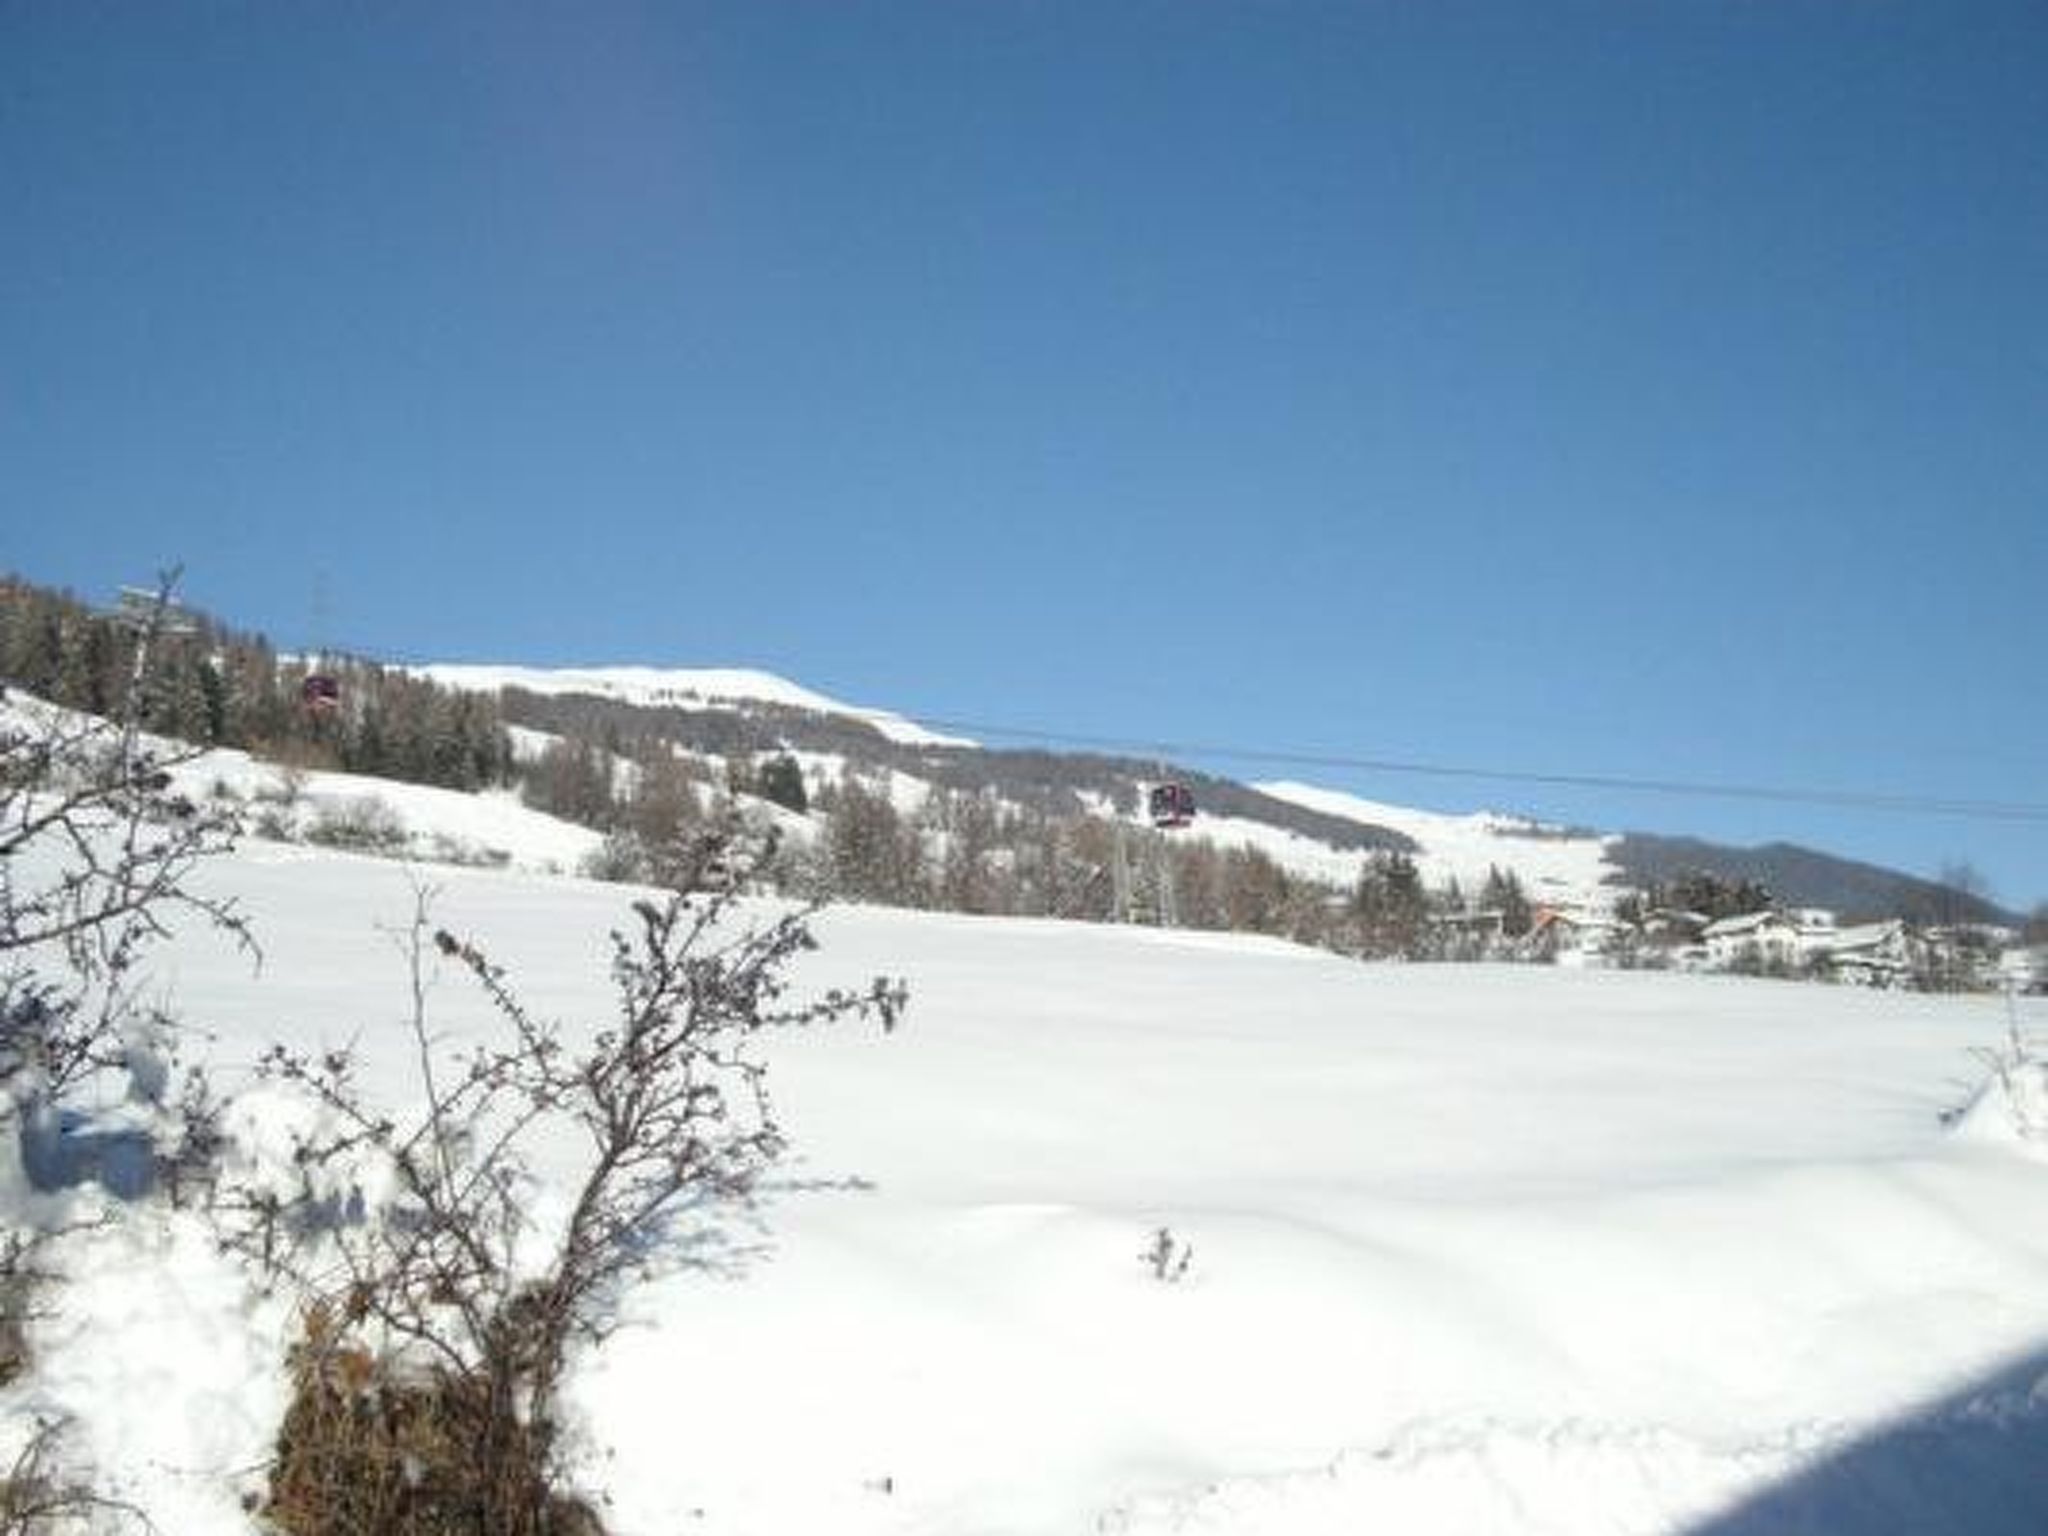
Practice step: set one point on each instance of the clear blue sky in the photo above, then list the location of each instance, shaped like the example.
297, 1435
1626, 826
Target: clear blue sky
1657, 387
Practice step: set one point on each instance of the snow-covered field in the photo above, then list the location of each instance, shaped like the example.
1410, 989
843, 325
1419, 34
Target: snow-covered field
1474, 1249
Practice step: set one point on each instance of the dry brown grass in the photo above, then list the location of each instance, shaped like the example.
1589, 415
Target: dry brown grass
364, 1452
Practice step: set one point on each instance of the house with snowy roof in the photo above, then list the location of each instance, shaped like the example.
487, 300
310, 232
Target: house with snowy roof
1674, 926
1569, 935
1870, 954
1770, 937
2024, 968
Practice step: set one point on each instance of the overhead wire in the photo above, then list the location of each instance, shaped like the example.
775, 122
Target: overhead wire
1884, 801
1850, 799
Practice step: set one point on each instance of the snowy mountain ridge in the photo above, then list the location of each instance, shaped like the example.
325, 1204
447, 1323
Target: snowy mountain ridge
1312, 831
677, 687
1565, 869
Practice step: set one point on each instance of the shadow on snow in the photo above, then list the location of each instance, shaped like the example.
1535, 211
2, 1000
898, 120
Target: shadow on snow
1973, 1463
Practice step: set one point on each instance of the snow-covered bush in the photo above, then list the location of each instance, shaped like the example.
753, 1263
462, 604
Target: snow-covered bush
95, 850
730, 852
621, 859
40, 1497
364, 824
431, 1280
97, 845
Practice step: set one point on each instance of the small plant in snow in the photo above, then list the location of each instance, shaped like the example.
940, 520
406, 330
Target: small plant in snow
1167, 1257
2017, 1068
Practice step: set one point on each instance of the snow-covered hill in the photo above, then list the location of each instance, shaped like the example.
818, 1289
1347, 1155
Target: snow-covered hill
1313, 831
1474, 1249
1556, 865
677, 687
1561, 868
421, 822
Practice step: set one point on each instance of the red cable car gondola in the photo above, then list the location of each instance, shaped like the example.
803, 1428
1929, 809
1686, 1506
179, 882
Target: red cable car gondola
321, 693
1171, 805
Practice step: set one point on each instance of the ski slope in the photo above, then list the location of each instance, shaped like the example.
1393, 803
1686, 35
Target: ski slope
1555, 865
1474, 1249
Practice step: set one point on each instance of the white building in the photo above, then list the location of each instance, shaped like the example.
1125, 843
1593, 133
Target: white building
1873, 954
2024, 968
1773, 938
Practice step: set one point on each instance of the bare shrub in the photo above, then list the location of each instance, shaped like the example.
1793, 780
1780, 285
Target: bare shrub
97, 848
38, 1497
621, 859
364, 1448
364, 824
443, 1283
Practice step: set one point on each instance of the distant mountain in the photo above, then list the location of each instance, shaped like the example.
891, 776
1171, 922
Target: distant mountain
433, 726
1803, 877
765, 720
1323, 833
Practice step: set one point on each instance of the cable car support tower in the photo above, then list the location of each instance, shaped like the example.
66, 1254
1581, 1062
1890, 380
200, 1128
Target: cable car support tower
1144, 884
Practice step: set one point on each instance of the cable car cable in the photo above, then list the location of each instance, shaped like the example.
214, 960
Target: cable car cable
1151, 749
1852, 799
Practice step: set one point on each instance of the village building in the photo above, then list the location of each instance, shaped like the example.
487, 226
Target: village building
2024, 968
1674, 926
1885, 954
1770, 938
1571, 937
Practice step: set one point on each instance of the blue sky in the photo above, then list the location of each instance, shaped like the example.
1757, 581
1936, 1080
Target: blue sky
1655, 388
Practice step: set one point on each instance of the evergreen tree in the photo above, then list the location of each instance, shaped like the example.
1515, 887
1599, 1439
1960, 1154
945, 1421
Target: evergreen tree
1714, 897
1502, 893
968, 829
664, 807
1390, 907
1257, 897
872, 854
781, 780
572, 779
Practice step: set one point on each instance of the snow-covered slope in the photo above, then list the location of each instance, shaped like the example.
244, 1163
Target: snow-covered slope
1474, 1249
678, 686
430, 824
1556, 865
417, 821
1569, 869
